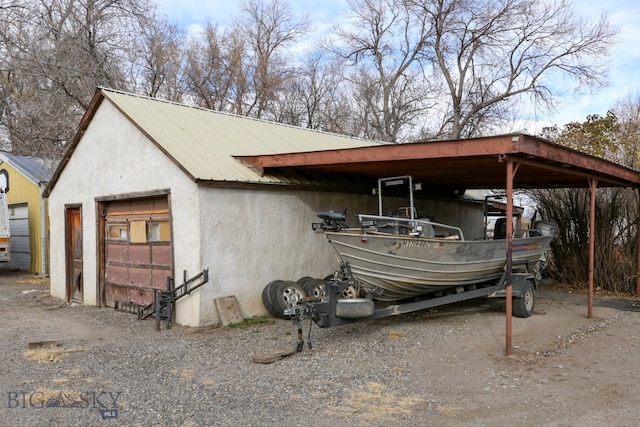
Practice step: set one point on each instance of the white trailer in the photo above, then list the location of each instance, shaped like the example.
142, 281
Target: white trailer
5, 255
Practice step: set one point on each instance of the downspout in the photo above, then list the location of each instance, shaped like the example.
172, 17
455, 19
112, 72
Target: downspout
638, 251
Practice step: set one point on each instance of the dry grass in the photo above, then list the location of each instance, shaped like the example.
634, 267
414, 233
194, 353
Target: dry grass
51, 354
374, 403
395, 335
447, 411
184, 374
40, 281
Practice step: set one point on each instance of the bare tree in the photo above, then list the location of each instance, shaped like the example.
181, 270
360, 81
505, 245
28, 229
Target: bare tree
246, 68
161, 59
479, 58
628, 113
491, 52
400, 70
325, 99
384, 48
57, 53
215, 72
270, 29
616, 210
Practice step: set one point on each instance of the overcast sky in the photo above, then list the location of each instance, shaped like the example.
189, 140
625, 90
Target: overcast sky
625, 62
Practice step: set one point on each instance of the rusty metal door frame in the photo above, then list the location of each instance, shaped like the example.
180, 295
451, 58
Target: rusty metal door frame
101, 217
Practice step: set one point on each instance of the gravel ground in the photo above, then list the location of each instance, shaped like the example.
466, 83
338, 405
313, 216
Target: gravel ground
430, 368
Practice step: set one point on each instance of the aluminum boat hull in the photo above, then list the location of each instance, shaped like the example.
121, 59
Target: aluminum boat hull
394, 267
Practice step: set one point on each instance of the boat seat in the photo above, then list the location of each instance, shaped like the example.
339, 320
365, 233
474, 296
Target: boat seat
500, 229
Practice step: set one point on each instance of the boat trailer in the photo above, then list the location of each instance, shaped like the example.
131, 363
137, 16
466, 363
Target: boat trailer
334, 310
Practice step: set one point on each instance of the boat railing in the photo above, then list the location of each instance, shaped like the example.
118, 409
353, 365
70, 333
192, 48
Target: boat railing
410, 227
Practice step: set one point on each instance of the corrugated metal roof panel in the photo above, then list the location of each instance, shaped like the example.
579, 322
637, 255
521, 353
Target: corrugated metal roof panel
35, 169
204, 142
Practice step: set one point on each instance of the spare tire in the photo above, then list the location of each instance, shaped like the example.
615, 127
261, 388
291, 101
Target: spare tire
315, 288
285, 294
266, 296
304, 280
354, 308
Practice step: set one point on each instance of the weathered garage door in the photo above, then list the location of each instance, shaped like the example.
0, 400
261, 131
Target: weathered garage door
138, 250
20, 249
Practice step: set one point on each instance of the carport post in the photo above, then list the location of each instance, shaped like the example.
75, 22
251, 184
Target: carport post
510, 174
593, 183
638, 260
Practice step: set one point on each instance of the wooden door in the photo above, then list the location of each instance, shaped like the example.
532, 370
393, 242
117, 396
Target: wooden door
73, 245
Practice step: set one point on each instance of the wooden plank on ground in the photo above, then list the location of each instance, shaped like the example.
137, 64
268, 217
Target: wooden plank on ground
266, 358
229, 310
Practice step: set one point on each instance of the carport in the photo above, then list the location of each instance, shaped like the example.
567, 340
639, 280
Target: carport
509, 162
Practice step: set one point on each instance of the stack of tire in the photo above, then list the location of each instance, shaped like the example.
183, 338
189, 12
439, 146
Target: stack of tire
279, 295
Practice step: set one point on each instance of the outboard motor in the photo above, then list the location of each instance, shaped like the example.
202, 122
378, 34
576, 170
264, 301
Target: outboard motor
546, 228
331, 220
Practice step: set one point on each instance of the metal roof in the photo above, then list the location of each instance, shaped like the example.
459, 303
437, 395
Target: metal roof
204, 142
478, 163
215, 147
37, 170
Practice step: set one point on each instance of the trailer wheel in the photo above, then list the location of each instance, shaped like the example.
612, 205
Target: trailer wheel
266, 296
284, 295
350, 292
354, 308
523, 306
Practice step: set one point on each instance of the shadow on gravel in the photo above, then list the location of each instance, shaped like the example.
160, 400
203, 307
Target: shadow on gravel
622, 304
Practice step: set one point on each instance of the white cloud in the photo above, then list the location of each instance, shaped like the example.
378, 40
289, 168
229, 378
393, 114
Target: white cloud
190, 12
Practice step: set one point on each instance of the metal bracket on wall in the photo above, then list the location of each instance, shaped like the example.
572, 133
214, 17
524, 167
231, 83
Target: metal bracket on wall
163, 305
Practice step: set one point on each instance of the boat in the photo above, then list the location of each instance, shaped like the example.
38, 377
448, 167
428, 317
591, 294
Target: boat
402, 256
393, 267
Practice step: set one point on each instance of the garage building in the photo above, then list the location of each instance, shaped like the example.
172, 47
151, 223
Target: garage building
27, 178
152, 189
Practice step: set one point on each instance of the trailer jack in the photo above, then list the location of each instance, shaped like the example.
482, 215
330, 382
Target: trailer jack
299, 313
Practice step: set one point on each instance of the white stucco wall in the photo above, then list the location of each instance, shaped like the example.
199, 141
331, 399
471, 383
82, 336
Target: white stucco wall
469, 216
115, 158
252, 237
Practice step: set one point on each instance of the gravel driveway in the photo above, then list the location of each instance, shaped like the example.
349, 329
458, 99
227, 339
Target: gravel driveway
431, 368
